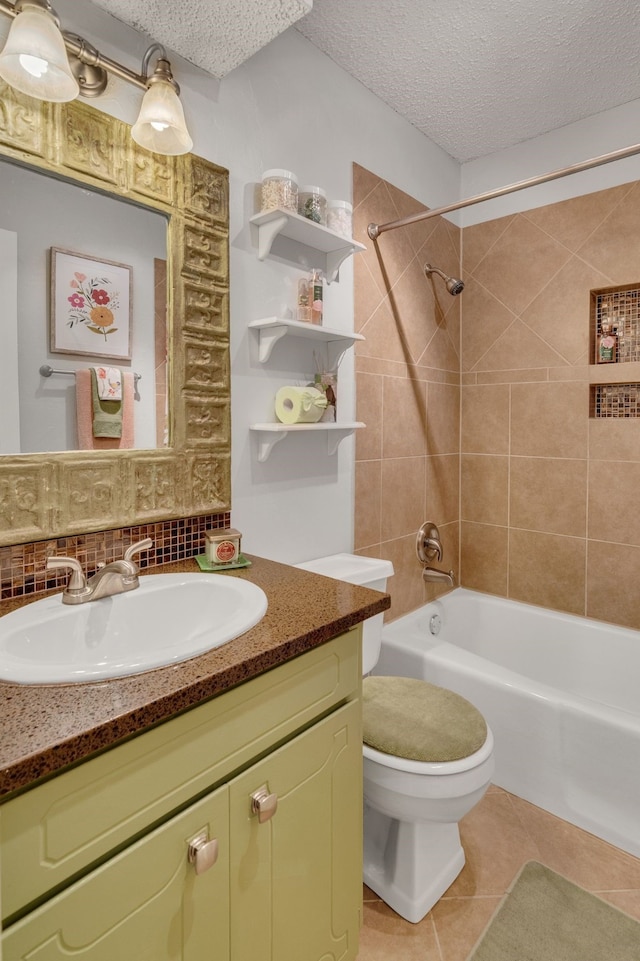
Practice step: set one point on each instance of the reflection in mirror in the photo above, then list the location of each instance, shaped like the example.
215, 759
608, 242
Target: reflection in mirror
119, 241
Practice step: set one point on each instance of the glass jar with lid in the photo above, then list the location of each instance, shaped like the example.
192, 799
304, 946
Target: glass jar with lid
312, 204
339, 217
279, 189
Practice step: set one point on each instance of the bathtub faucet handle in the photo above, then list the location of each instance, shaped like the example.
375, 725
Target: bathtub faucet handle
428, 543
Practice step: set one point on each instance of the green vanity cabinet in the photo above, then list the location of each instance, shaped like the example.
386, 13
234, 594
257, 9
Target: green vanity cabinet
146, 904
271, 770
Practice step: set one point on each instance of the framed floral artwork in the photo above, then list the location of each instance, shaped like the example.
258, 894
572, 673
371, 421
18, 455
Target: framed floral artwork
91, 306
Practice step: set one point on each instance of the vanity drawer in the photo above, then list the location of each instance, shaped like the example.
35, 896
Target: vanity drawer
57, 830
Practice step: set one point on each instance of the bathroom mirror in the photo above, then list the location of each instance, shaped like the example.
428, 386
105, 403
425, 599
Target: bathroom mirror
45, 495
66, 244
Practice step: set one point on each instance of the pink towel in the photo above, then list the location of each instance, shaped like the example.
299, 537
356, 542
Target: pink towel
84, 414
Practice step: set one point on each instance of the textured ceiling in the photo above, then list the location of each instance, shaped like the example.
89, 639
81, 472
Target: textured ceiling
475, 76
216, 35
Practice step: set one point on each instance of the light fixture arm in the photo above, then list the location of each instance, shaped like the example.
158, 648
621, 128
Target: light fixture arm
89, 56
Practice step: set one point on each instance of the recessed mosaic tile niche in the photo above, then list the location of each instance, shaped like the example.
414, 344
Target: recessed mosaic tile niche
23, 566
617, 309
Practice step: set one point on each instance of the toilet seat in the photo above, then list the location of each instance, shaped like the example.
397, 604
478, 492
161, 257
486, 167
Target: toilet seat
415, 720
431, 768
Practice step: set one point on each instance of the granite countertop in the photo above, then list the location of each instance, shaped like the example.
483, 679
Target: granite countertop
46, 727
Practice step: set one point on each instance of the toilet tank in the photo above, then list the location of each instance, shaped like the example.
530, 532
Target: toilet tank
371, 572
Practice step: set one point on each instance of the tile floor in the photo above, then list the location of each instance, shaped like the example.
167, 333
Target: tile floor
499, 836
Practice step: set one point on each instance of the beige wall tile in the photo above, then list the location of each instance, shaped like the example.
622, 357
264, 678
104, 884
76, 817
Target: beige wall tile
613, 501
387, 259
572, 221
386, 335
613, 575
614, 438
520, 264
370, 295
407, 206
406, 586
484, 320
485, 488
404, 422
485, 419
549, 494
368, 503
560, 313
547, 570
518, 347
576, 372
415, 310
479, 238
549, 420
369, 412
442, 502
526, 376
403, 496
441, 351
443, 419
613, 247
484, 553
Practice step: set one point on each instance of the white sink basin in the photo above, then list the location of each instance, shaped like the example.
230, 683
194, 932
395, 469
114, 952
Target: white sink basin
169, 618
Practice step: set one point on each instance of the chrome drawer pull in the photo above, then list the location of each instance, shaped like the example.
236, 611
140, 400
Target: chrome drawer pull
202, 852
264, 804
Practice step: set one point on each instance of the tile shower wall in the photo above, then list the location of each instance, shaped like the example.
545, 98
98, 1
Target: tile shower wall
23, 572
408, 387
549, 495
539, 498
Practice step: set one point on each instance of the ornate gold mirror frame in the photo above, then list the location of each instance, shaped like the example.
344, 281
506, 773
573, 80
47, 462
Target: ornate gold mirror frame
61, 494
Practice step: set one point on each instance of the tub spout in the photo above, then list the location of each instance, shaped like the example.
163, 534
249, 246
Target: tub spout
439, 577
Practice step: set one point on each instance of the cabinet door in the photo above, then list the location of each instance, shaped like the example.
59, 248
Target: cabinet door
296, 878
145, 904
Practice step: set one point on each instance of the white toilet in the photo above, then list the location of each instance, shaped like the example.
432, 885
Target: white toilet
414, 792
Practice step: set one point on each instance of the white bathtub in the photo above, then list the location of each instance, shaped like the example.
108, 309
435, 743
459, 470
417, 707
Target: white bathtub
560, 693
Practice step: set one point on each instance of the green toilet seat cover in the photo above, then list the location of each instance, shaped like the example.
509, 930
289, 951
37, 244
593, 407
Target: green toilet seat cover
419, 721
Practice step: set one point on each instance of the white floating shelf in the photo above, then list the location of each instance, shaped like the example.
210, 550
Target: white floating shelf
267, 226
273, 329
272, 434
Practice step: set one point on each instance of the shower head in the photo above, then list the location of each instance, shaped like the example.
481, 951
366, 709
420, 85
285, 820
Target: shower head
454, 286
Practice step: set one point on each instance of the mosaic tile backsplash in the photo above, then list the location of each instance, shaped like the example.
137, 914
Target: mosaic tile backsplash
615, 400
620, 307
22, 567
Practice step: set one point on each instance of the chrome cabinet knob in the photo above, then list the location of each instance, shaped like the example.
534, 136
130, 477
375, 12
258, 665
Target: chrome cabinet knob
202, 852
264, 804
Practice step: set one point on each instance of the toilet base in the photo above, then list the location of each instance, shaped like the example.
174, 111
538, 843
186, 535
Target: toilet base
410, 864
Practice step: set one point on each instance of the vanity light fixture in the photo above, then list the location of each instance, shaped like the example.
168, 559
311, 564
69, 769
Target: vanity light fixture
49, 64
34, 59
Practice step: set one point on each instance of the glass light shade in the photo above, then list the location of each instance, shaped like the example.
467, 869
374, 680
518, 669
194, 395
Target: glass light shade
161, 126
34, 59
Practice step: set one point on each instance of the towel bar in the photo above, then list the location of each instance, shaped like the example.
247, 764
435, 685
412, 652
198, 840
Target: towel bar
47, 371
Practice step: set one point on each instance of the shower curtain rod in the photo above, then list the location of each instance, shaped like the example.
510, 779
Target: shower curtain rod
374, 230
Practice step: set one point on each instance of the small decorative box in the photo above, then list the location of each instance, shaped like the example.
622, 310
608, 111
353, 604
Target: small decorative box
223, 547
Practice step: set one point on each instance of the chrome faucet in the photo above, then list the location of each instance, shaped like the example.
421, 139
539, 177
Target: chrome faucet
114, 578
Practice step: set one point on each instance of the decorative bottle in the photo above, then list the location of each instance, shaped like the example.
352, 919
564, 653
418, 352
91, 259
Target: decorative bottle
607, 344
316, 296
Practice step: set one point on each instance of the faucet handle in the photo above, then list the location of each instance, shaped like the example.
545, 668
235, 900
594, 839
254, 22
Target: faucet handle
134, 549
428, 544
77, 582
